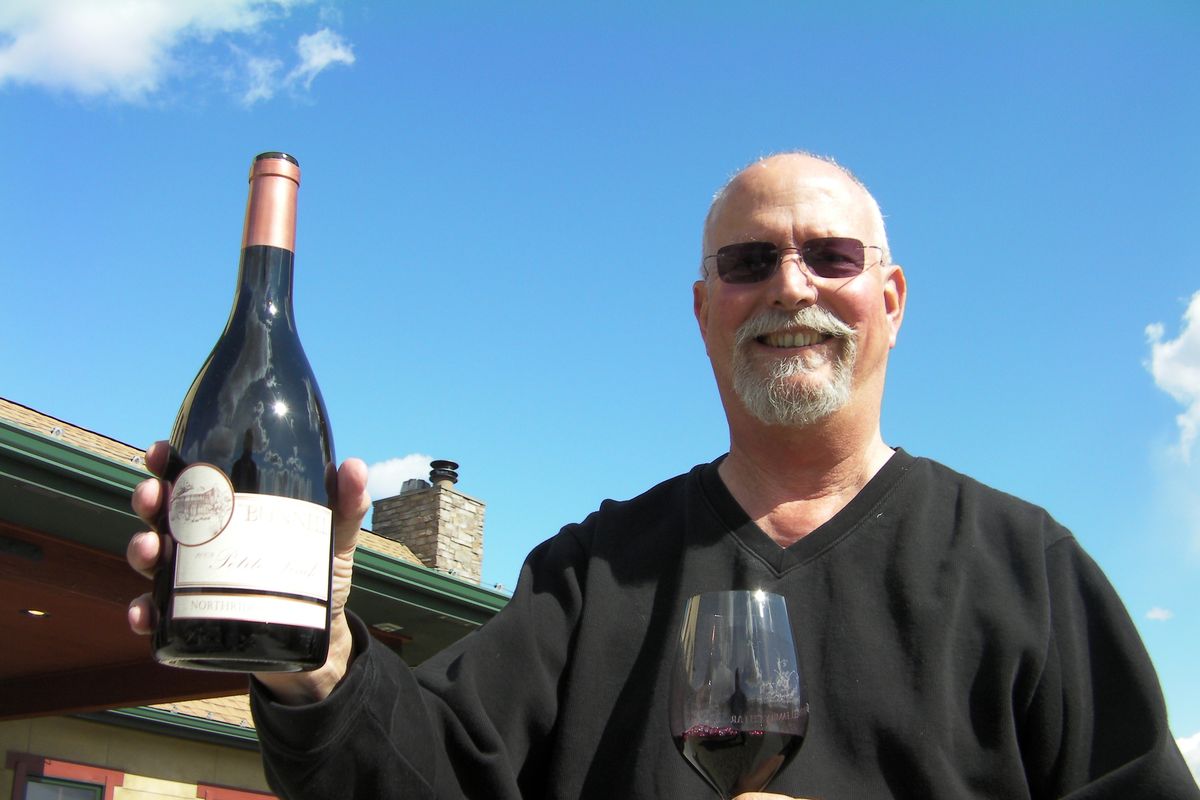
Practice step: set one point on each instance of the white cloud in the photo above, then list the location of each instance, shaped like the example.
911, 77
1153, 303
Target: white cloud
260, 79
318, 51
385, 478
1175, 365
130, 49
1190, 746
1159, 614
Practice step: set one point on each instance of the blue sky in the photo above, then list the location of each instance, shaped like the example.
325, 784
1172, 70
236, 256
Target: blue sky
500, 218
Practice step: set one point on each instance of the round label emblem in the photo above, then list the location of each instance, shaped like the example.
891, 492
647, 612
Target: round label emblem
201, 505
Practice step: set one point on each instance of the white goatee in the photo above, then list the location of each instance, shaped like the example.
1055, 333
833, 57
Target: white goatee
770, 394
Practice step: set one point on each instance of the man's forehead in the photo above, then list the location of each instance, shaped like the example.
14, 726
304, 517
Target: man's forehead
772, 201
787, 182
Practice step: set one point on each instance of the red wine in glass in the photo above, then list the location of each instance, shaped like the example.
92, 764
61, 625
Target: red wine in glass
738, 708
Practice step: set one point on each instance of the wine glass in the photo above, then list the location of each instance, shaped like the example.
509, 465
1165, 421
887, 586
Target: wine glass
738, 710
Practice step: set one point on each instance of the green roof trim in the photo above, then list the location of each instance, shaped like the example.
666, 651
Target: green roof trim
36, 467
435, 591
429, 609
52, 454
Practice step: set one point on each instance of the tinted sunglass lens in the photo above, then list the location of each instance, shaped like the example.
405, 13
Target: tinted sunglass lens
746, 262
826, 257
834, 257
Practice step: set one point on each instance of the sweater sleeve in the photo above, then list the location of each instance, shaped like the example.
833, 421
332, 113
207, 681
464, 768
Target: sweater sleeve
474, 721
1097, 725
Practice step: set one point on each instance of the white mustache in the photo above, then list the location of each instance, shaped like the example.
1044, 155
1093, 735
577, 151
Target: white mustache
814, 318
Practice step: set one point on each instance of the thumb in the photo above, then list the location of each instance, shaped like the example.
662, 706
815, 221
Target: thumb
352, 504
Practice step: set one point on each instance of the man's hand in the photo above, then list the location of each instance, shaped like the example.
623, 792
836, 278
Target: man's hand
349, 510
765, 796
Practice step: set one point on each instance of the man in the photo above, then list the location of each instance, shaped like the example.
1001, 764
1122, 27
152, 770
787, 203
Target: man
956, 642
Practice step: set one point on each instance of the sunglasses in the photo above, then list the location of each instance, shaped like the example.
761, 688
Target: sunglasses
826, 257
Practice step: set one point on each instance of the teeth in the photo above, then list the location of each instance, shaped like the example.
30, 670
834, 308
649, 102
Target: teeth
796, 339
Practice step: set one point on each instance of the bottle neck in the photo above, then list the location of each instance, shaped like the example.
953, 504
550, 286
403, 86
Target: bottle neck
269, 244
264, 291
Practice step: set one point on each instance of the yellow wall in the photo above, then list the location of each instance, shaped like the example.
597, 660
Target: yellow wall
157, 766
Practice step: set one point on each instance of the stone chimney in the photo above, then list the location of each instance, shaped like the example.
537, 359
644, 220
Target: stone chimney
441, 526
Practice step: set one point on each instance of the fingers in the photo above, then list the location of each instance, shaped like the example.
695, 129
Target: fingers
142, 615
157, 457
145, 548
147, 500
143, 552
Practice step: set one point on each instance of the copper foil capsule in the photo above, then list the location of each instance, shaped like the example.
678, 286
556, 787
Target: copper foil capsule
271, 207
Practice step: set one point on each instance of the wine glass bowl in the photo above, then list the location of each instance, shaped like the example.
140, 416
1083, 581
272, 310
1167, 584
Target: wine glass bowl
738, 710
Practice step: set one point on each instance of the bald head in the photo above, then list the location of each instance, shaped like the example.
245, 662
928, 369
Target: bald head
793, 178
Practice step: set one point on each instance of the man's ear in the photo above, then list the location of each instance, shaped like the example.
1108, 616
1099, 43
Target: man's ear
700, 307
895, 293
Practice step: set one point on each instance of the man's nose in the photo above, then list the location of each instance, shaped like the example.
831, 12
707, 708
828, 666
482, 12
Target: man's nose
792, 284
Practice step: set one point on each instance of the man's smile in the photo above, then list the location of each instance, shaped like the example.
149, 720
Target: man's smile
792, 338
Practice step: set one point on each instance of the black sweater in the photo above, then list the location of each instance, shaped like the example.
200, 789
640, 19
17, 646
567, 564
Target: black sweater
955, 642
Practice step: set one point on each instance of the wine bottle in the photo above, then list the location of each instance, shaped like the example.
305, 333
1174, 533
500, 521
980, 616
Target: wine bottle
246, 576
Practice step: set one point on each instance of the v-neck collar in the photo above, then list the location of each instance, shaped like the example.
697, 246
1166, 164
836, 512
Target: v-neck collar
781, 559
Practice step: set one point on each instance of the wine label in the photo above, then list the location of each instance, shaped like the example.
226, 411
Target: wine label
249, 608
266, 544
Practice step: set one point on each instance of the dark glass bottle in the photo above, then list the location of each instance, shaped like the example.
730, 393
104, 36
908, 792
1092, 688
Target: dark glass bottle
246, 579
